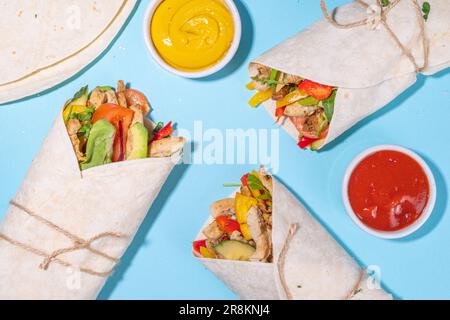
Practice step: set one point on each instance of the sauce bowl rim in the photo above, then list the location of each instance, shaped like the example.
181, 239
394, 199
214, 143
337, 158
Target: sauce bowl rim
412, 227
150, 11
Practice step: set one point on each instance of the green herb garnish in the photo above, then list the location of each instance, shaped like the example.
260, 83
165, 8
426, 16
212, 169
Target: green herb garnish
85, 130
385, 3
426, 8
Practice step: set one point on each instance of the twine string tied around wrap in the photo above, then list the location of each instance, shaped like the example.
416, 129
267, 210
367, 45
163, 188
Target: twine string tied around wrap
78, 244
379, 16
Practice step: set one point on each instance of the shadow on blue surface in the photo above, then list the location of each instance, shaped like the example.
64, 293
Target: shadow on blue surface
421, 79
79, 73
140, 238
244, 47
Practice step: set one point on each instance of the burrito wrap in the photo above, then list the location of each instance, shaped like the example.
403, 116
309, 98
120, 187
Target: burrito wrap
110, 198
366, 65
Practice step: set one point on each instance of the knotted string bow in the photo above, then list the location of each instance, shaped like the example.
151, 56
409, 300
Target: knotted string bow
378, 16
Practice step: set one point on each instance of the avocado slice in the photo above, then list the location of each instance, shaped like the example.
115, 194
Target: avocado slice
235, 250
78, 101
100, 145
308, 101
137, 144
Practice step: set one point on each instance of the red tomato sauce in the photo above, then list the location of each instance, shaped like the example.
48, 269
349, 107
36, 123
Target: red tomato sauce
388, 190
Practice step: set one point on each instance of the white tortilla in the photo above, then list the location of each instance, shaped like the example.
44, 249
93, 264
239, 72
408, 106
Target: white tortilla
316, 266
366, 65
110, 198
46, 42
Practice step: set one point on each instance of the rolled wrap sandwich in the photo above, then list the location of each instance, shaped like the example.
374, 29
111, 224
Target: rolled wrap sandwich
87, 191
264, 244
322, 81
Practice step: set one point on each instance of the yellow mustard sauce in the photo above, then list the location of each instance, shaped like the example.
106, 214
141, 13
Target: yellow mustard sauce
192, 35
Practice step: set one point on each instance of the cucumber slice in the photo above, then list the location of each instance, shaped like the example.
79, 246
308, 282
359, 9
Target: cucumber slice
316, 145
235, 250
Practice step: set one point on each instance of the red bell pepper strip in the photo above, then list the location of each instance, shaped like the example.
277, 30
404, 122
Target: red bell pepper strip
279, 112
121, 118
196, 245
315, 90
228, 225
166, 131
305, 142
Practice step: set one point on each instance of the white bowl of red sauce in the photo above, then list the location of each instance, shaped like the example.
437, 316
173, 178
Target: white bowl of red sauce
389, 191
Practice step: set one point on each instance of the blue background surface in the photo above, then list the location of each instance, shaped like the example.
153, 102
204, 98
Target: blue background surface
159, 264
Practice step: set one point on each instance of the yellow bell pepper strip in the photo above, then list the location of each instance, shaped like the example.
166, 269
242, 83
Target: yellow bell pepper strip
206, 253
250, 86
291, 97
260, 97
246, 232
242, 204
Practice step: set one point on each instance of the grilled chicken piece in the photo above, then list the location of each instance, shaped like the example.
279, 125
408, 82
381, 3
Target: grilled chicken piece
222, 207
259, 233
166, 147
111, 97
97, 98
121, 98
213, 231
138, 115
73, 125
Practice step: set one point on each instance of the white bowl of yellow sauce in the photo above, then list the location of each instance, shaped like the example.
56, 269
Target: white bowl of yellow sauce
192, 38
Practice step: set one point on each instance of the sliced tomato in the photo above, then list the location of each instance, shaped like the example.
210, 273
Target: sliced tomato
121, 118
315, 90
228, 225
137, 98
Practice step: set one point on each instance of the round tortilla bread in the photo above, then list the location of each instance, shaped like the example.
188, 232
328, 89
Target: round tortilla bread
47, 42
